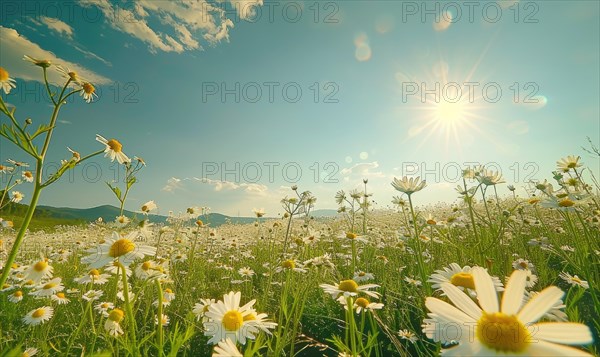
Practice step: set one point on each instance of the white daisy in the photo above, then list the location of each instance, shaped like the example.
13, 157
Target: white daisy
226, 320
408, 186
460, 277
226, 348
114, 150
508, 328
60, 298
16, 297
349, 288
148, 206
39, 271
119, 249
574, 280
6, 83
38, 316
112, 324
48, 288
201, 308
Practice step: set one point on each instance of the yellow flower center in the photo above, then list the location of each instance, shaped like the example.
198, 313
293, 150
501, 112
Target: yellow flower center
38, 313
431, 221
18, 293
232, 320
146, 266
168, 291
350, 235
250, 317
463, 279
116, 315
566, 203
49, 286
572, 164
288, 264
74, 77
121, 247
362, 302
199, 223
533, 201
94, 273
501, 332
104, 305
362, 273
88, 88
3, 75
348, 285
576, 280
114, 145
40, 266
28, 174
60, 295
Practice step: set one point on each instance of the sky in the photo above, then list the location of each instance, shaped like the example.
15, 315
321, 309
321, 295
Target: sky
232, 102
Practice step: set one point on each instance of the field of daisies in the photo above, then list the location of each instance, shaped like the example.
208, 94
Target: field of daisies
490, 275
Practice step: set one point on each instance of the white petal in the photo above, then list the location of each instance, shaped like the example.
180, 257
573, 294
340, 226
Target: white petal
569, 333
461, 300
540, 304
447, 311
543, 349
486, 293
512, 299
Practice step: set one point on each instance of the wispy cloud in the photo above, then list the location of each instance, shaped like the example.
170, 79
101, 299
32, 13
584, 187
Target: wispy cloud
172, 185
179, 25
363, 169
58, 26
14, 46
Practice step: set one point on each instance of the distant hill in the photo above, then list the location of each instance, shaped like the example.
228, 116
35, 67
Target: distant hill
324, 213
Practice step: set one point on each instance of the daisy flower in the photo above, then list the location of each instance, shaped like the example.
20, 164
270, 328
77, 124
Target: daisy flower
361, 304
259, 212
31, 351
48, 288
112, 324
122, 221
41, 63
574, 280
16, 297
92, 295
164, 320
226, 348
17, 196
6, 83
506, 328
119, 249
226, 320
114, 150
149, 270
408, 335
88, 92
148, 206
60, 298
459, 277
522, 264
38, 316
27, 176
352, 237
246, 272
290, 264
409, 186
555, 313
39, 271
567, 163
349, 288
201, 308
103, 308
94, 277
71, 75
489, 177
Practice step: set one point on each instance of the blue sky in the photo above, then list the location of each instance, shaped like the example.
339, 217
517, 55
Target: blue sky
361, 66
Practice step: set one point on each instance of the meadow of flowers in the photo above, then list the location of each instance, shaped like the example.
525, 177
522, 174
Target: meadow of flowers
488, 276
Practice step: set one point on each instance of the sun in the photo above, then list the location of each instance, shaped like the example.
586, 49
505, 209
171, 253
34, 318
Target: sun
450, 112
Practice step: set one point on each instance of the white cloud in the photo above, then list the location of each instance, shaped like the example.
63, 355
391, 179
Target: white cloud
58, 26
219, 185
173, 184
363, 169
182, 20
246, 8
89, 54
14, 46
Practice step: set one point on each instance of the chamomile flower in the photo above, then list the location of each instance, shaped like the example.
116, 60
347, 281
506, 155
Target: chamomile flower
103, 308
48, 288
114, 150
17, 197
92, 295
39, 271
201, 308
226, 320
362, 276
6, 83
148, 206
31, 351
360, 304
117, 249
60, 298
93, 276
226, 348
112, 324
574, 280
408, 186
38, 62
349, 288
122, 221
38, 316
164, 320
459, 277
514, 324
246, 272
522, 264
67, 73
88, 92
27, 176
568, 163
258, 212
16, 297
408, 335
